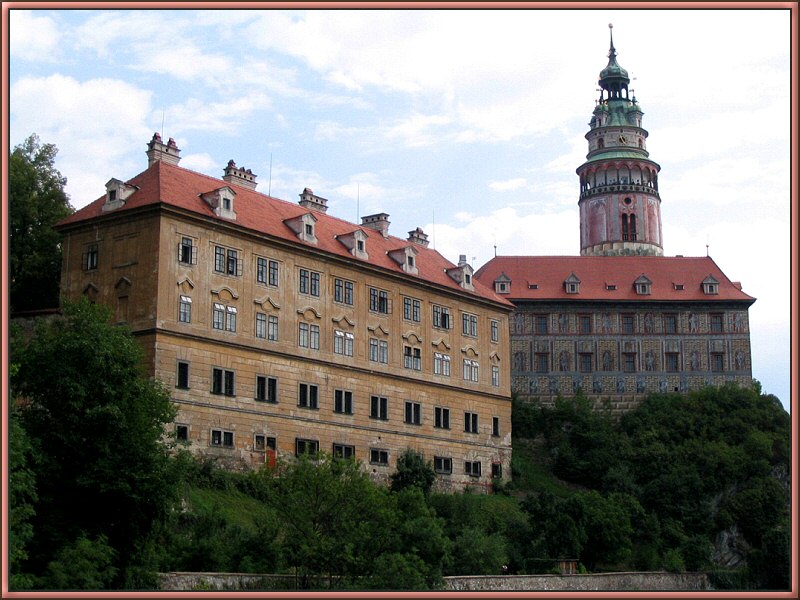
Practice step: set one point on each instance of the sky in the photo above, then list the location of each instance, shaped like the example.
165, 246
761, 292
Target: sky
467, 123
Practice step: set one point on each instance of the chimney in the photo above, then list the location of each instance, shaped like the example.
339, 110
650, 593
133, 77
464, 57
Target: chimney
462, 260
309, 200
243, 177
378, 222
418, 237
158, 150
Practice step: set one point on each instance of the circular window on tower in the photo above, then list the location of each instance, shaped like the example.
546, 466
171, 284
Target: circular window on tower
627, 201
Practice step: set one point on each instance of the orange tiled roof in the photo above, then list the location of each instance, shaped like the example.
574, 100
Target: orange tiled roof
179, 187
597, 273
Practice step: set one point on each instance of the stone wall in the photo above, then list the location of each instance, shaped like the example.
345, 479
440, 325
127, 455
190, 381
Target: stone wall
618, 582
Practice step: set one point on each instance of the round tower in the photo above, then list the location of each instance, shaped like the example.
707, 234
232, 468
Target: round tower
620, 209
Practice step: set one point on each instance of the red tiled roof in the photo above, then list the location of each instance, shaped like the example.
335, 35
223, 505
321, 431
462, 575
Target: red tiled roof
176, 186
597, 273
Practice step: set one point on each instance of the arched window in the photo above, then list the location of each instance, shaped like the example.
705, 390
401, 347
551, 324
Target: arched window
624, 228
601, 143
632, 228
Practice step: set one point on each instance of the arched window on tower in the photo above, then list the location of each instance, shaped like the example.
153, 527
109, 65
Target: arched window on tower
601, 143
624, 228
632, 228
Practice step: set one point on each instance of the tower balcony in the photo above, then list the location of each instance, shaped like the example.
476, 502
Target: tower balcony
610, 188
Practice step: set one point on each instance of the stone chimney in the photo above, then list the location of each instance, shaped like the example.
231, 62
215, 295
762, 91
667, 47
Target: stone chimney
158, 150
309, 200
240, 176
378, 222
462, 260
418, 237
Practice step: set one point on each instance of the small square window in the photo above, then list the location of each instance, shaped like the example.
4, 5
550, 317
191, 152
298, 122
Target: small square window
443, 465
378, 457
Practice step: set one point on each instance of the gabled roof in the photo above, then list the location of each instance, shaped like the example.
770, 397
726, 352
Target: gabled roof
596, 272
182, 188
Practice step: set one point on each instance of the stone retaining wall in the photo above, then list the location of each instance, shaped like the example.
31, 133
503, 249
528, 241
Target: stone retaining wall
618, 582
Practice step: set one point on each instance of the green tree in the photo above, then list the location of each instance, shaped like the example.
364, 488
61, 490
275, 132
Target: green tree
36, 202
21, 501
83, 565
97, 425
412, 471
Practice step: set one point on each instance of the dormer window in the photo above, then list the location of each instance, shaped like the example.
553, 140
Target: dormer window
117, 193
356, 243
406, 258
360, 245
711, 285
643, 285
572, 284
467, 278
679, 287
502, 285
221, 201
462, 275
304, 226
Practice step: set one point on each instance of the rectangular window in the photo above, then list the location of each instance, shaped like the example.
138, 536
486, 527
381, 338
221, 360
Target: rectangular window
259, 442
441, 417
471, 422
441, 364
716, 324
272, 328
379, 408
230, 318
670, 324
222, 438
218, 320
672, 362
469, 325
343, 342
378, 457
412, 358
717, 362
441, 317
542, 362
308, 336
182, 380
471, 368
266, 389
585, 323
308, 395
411, 309
629, 362
182, 433
497, 470
585, 362
378, 301
496, 426
343, 401
343, 291
344, 451
261, 325
378, 350
628, 324
187, 254
223, 382
495, 376
226, 261
443, 465
267, 271
540, 324
472, 468
90, 257
185, 310
495, 327
413, 413
309, 448
309, 282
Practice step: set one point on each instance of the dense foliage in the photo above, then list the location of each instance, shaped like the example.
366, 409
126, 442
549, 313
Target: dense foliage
36, 202
98, 502
95, 426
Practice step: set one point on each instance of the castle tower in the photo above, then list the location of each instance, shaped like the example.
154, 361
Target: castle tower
620, 209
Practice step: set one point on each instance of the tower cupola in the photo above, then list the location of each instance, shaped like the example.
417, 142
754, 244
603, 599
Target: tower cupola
614, 79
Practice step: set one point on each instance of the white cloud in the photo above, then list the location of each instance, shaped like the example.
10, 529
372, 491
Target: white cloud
93, 123
508, 184
202, 163
33, 37
227, 116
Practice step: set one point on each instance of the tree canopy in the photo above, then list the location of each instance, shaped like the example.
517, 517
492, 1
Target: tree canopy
36, 202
